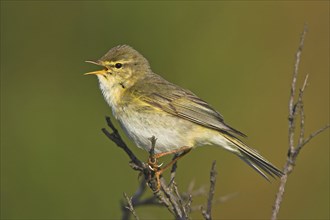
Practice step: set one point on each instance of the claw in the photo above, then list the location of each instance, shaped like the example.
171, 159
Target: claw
156, 168
151, 168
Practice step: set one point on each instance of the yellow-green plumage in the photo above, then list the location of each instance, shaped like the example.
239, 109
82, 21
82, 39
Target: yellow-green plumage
147, 105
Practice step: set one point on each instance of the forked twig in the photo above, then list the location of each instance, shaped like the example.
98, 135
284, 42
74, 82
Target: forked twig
167, 196
130, 206
295, 109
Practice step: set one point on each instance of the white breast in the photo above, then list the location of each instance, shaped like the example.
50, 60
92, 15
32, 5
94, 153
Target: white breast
141, 127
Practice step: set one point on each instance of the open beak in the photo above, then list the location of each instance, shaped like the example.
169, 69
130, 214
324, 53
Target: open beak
98, 72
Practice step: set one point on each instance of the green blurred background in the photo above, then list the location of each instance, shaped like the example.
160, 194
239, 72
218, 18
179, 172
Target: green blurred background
57, 164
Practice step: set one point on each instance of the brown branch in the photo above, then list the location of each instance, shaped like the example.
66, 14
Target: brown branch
311, 136
185, 207
292, 106
116, 138
295, 109
173, 200
188, 204
213, 176
178, 204
167, 196
136, 201
130, 206
302, 112
173, 170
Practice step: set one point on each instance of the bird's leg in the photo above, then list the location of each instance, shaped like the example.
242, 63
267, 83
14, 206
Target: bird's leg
176, 151
156, 168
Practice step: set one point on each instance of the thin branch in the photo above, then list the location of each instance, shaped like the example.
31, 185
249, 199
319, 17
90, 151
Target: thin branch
116, 138
213, 177
302, 112
173, 200
165, 196
188, 204
178, 204
295, 109
137, 201
180, 201
292, 108
173, 170
311, 136
130, 206
292, 114
139, 192
148, 201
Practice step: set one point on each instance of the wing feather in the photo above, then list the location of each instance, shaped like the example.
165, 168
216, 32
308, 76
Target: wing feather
181, 102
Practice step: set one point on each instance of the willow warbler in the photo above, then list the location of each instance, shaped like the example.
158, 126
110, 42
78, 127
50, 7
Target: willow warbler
147, 105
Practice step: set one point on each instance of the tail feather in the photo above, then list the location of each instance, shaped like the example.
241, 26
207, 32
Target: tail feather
254, 159
261, 162
256, 168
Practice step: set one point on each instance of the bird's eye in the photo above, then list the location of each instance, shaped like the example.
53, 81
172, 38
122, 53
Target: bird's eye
118, 65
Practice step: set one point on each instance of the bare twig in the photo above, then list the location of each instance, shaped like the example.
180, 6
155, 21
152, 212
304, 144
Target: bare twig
116, 138
311, 136
130, 206
183, 206
292, 106
173, 200
173, 170
213, 175
188, 204
302, 112
179, 204
295, 109
139, 192
137, 201
166, 196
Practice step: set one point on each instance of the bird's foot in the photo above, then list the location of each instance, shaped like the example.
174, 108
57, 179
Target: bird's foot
156, 170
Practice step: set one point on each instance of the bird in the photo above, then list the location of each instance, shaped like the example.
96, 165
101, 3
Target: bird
146, 105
